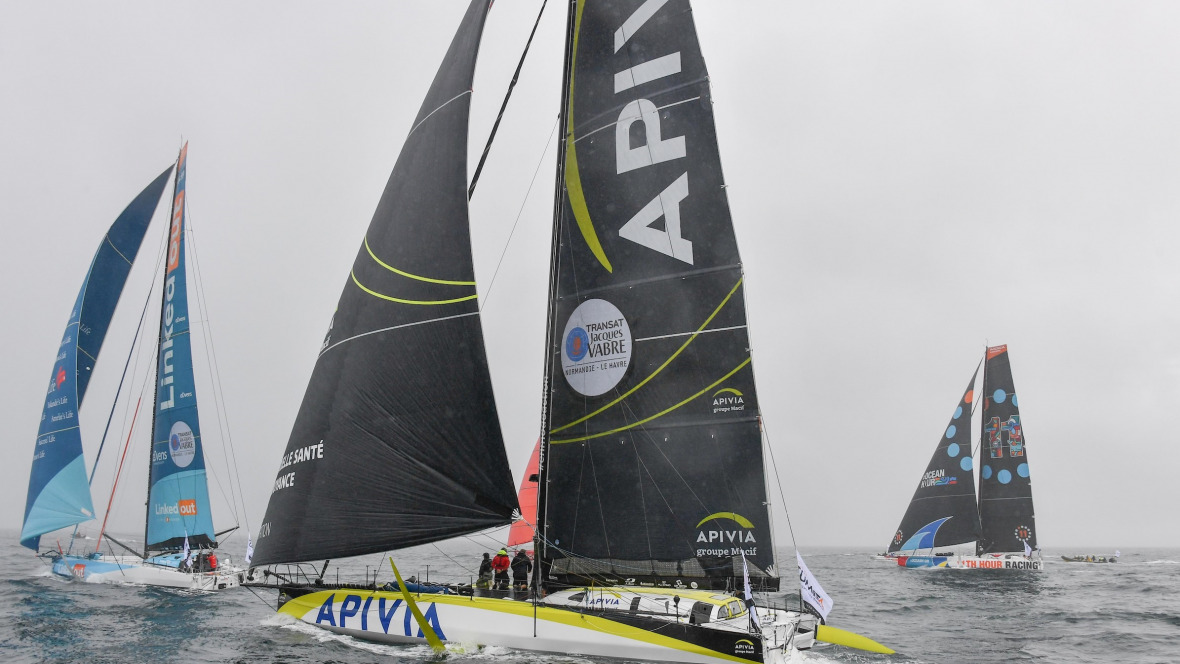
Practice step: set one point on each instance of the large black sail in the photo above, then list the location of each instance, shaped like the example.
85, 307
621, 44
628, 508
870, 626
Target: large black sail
943, 510
398, 442
653, 462
1005, 490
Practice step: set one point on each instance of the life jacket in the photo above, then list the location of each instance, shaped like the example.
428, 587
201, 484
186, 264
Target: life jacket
501, 563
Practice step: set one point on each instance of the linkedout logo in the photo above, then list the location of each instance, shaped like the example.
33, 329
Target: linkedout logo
596, 348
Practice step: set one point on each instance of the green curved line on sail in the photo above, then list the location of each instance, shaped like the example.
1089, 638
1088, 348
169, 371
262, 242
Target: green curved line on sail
732, 516
657, 415
573, 179
655, 373
411, 276
403, 301
729, 390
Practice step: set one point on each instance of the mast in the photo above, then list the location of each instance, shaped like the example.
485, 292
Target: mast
156, 383
541, 539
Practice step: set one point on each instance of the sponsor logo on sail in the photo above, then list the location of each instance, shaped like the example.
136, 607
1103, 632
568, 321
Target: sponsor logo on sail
728, 400
937, 478
182, 444
596, 350
1023, 533
726, 534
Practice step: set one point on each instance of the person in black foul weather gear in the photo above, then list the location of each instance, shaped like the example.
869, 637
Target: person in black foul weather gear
521, 566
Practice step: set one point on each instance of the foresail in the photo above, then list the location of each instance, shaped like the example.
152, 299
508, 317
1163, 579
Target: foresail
178, 495
653, 467
59, 491
398, 441
1005, 489
523, 531
943, 510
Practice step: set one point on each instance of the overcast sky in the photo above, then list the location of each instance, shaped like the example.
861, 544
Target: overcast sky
909, 182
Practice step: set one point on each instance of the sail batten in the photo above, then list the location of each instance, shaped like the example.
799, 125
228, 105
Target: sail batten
399, 407
59, 491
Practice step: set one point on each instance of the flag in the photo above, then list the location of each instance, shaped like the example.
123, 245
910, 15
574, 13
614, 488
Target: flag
811, 591
1117, 553
1027, 550
749, 596
185, 558
249, 550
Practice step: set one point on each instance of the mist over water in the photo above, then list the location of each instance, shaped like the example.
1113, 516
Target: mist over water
1070, 613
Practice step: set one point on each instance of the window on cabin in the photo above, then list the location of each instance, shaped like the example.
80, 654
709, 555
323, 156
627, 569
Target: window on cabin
736, 608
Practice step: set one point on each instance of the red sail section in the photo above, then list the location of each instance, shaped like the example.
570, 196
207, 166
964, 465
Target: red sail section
522, 531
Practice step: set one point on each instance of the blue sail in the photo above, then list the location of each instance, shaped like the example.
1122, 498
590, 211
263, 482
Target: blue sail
178, 494
59, 491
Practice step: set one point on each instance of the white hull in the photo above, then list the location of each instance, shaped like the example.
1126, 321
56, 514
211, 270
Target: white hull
134, 571
990, 561
485, 621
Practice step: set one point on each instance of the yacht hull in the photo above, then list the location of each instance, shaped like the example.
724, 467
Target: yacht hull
133, 571
468, 621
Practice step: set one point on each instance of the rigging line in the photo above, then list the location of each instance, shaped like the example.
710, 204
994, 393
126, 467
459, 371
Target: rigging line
519, 213
440, 107
223, 426
782, 496
511, 85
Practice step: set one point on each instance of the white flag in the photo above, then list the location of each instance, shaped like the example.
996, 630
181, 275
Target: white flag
1027, 550
249, 550
185, 559
812, 592
749, 595
1117, 553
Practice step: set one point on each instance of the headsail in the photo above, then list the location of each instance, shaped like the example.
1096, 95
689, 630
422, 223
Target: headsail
1005, 489
178, 494
946, 491
653, 466
398, 441
59, 491
523, 531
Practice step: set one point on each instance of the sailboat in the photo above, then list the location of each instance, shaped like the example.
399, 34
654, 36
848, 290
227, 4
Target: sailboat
178, 515
944, 511
651, 485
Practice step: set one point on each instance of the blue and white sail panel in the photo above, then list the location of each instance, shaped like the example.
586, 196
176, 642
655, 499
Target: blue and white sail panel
924, 538
59, 490
178, 498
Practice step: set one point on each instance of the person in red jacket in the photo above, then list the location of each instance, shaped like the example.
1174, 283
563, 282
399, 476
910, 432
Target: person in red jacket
500, 565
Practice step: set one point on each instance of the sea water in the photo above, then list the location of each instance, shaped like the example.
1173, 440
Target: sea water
1072, 613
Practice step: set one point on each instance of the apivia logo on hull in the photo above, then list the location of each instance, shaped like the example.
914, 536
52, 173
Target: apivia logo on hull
370, 614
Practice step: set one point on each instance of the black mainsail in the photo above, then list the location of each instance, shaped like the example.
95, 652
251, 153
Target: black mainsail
398, 441
1005, 489
652, 467
943, 510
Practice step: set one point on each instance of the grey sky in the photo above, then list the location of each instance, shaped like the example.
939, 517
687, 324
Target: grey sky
909, 181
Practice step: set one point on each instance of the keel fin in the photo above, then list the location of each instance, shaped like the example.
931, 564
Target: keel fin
431, 638
848, 639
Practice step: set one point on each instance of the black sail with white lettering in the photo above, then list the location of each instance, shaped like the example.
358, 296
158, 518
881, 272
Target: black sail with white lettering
1005, 489
943, 510
653, 457
397, 441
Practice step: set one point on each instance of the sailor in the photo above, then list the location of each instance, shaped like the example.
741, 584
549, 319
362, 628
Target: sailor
212, 561
521, 566
485, 572
500, 566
